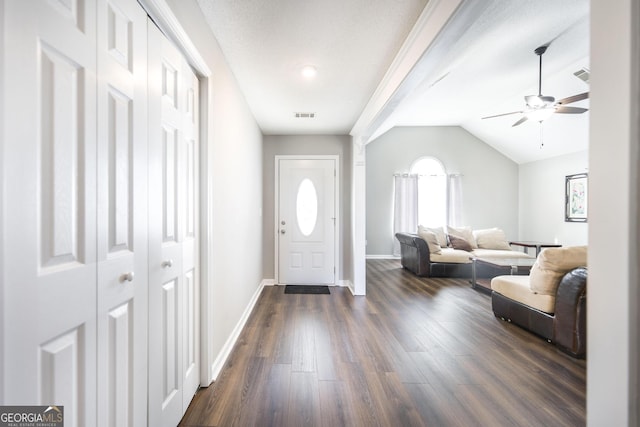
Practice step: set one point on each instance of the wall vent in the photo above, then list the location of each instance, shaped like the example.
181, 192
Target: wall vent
305, 115
583, 74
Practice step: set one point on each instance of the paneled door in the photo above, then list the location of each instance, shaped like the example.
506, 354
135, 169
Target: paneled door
48, 147
173, 230
122, 213
306, 218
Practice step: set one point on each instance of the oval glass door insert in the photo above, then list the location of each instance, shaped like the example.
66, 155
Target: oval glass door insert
307, 207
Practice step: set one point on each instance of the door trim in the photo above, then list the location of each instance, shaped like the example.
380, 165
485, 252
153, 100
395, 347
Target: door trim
164, 18
336, 239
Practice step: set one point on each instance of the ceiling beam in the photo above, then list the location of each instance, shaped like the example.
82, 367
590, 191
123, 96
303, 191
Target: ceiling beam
440, 24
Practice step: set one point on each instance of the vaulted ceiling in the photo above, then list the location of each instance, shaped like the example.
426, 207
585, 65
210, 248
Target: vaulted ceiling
487, 68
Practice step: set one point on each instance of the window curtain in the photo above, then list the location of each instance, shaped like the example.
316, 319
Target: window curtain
405, 207
455, 201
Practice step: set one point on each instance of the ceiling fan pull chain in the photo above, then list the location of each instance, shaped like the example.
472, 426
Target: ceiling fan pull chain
541, 136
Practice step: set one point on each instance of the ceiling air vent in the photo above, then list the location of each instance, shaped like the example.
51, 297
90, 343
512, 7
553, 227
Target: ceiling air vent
305, 115
583, 74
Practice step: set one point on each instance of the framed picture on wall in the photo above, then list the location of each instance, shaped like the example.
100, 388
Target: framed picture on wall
576, 189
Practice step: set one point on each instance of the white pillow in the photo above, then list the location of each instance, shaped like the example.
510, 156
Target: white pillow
491, 238
431, 239
465, 233
439, 232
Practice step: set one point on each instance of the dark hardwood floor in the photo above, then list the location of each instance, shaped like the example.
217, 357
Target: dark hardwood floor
413, 352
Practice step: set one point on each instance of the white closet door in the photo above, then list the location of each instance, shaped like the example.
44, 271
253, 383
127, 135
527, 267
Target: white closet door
190, 242
122, 213
49, 206
173, 244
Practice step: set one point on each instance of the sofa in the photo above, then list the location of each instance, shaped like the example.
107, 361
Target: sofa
436, 252
551, 301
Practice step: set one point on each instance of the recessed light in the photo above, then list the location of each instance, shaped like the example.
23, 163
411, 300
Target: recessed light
309, 71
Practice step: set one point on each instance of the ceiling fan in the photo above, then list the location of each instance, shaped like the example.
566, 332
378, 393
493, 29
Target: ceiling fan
540, 107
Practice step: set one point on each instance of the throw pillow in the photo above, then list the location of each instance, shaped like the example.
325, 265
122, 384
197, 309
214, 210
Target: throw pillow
563, 259
491, 238
552, 264
431, 239
465, 233
440, 234
460, 243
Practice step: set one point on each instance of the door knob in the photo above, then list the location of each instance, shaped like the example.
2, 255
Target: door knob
282, 231
128, 277
167, 264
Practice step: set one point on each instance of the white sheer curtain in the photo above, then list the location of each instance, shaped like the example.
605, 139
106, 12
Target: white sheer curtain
405, 207
455, 201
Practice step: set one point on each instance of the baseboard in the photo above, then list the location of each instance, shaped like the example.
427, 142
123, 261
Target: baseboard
348, 284
382, 256
218, 364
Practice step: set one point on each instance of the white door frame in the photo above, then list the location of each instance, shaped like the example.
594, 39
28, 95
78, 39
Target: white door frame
165, 19
276, 208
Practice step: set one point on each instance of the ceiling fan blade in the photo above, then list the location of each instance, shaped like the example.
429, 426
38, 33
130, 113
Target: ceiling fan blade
574, 98
570, 110
503, 114
519, 122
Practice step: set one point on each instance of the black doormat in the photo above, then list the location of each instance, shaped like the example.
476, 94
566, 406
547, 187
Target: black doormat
306, 289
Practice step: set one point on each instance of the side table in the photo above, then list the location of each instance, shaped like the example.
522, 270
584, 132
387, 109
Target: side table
533, 244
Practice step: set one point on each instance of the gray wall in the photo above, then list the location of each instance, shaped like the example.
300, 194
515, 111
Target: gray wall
306, 145
235, 157
542, 200
489, 182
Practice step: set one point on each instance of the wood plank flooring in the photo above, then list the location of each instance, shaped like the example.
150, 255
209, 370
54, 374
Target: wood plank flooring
413, 352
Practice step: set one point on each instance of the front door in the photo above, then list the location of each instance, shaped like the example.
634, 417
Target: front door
306, 221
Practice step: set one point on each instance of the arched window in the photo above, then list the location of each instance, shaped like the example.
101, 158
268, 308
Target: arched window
432, 191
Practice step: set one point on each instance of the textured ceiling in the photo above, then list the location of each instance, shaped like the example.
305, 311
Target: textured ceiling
350, 42
488, 70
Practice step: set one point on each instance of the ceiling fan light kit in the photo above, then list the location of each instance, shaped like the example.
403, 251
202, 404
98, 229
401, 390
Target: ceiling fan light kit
537, 101
541, 114
540, 107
